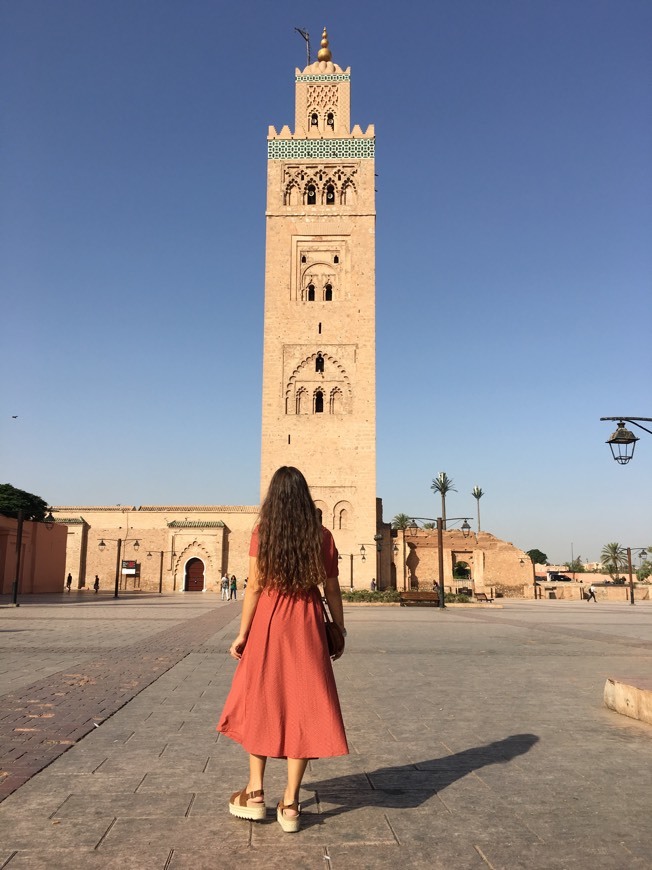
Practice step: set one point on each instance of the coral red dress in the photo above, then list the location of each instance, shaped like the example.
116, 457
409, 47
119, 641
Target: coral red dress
283, 701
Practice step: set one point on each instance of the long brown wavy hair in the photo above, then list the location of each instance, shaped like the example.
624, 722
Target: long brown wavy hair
289, 535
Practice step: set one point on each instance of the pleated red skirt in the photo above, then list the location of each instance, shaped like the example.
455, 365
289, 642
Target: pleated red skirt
283, 701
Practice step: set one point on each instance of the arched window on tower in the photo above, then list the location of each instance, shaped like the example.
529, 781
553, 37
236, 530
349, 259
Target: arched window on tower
328, 293
311, 292
336, 259
311, 195
314, 120
343, 519
319, 363
301, 401
319, 402
330, 194
303, 258
330, 120
335, 401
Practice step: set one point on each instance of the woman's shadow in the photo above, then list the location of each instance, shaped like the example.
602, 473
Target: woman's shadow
410, 785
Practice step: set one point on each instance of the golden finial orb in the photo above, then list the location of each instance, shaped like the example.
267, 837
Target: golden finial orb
324, 52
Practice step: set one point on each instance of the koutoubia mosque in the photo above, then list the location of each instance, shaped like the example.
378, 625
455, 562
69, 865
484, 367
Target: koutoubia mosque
318, 384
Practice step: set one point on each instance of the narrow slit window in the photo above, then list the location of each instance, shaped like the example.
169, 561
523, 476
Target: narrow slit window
319, 363
336, 259
319, 402
303, 258
288, 439
328, 293
311, 292
319, 329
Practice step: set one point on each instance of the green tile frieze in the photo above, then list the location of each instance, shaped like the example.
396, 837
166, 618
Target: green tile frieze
323, 149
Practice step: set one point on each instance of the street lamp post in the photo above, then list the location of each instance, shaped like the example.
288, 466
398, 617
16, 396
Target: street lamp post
378, 543
623, 442
119, 542
160, 567
351, 557
642, 551
466, 531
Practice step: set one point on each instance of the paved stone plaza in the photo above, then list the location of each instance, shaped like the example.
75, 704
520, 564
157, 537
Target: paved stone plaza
478, 739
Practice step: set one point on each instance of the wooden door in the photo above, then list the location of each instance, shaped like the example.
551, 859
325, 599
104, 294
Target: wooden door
195, 576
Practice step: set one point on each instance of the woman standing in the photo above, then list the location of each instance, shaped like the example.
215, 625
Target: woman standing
283, 701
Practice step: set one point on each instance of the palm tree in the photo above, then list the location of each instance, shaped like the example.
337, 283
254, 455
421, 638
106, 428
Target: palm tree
401, 521
613, 557
477, 494
443, 485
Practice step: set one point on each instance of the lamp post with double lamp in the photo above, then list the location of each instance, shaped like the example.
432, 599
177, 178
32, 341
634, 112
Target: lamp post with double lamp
642, 551
622, 442
466, 531
160, 567
119, 542
378, 542
351, 557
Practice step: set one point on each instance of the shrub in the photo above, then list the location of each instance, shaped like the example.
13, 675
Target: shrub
386, 597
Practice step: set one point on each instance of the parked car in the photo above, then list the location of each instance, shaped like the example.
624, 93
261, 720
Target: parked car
557, 577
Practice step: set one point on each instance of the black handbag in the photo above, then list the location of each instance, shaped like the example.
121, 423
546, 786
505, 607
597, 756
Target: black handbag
334, 635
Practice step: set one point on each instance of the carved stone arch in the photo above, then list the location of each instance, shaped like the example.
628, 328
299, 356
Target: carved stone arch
330, 191
311, 193
301, 404
195, 550
336, 401
343, 515
321, 506
349, 193
330, 119
292, 195
307, 366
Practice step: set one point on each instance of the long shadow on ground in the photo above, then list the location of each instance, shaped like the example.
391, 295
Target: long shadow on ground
410, 785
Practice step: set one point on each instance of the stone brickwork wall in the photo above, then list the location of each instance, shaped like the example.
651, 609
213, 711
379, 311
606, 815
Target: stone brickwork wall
217, 535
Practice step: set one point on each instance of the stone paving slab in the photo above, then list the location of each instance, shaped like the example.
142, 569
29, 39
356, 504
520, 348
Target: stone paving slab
46, 718
475, 743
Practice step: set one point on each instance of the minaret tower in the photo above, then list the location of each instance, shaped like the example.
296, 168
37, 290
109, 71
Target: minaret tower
319, 371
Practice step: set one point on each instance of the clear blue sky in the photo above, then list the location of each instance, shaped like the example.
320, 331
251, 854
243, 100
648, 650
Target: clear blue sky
514, 254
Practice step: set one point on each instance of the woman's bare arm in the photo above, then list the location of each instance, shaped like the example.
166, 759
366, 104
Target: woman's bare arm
334, 598
249, 605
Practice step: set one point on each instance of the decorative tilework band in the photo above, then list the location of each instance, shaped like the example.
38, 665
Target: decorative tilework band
324, 78
324, 149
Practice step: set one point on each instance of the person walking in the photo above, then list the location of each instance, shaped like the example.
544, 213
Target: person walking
591, 594
96, 584
69, 582
233, 588
282, 646
244, 586
224, 587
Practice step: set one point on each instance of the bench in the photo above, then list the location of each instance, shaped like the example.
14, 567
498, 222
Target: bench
482, 596
419, 598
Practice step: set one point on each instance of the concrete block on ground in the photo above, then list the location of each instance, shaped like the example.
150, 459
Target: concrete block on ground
631, 696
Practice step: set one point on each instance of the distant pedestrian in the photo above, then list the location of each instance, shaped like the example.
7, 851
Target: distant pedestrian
591, 594
224, 587
244, 586
96, 584
372, 585
69, 582
233, 586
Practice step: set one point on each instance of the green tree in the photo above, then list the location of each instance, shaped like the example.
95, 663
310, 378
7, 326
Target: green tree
12, 500
575, 565
538, 558
645, 570
430, 526
401, 521
443, 485
614, 559
477, 494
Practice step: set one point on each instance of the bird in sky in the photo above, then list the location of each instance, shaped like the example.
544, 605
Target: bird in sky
14, 416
